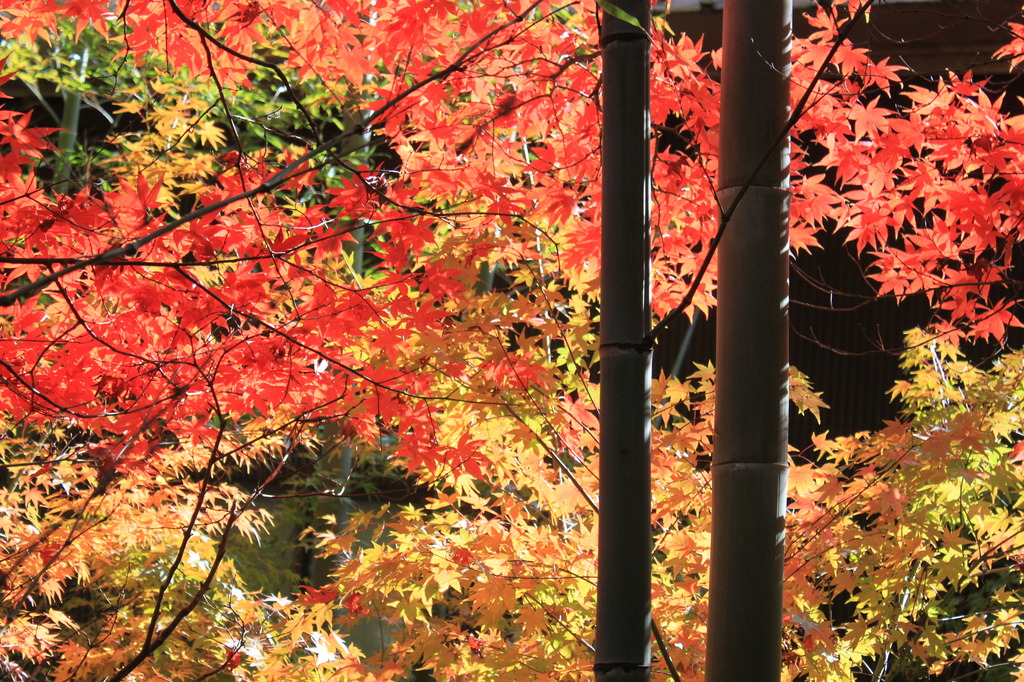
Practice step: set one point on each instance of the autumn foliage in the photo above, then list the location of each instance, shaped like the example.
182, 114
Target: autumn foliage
327, 282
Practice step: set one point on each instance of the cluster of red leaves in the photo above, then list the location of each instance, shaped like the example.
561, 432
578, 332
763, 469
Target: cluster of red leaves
923, 181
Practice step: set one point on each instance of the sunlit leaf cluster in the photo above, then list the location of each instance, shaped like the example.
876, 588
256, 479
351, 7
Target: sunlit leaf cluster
298, 338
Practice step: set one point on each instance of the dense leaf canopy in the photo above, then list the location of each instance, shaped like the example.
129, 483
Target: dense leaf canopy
322, 275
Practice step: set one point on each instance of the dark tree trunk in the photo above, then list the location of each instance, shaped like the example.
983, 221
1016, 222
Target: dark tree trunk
623, 650
752, 389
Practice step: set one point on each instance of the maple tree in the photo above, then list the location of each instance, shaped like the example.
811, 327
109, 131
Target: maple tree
329, 249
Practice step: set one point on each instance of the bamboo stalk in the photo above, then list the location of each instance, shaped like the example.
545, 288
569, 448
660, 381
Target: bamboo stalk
623, 640
749, 466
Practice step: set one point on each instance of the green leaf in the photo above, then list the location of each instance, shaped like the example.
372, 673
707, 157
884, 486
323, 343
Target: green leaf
619, 13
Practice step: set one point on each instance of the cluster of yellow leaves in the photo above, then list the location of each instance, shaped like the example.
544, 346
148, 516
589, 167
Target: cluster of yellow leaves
905, 545
903, 556
89, 542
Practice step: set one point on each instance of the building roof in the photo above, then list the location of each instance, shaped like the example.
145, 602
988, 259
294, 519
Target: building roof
928, 36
